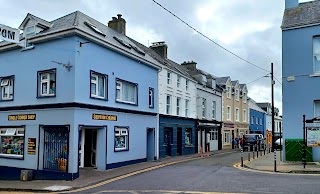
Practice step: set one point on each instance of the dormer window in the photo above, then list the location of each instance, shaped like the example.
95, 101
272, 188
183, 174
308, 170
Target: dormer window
228, 92
29, 31
237, 94
244, 97
203, 78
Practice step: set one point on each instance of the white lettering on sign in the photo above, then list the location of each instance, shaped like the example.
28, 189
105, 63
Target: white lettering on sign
9, 34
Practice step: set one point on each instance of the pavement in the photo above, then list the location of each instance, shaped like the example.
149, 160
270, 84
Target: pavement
90, 177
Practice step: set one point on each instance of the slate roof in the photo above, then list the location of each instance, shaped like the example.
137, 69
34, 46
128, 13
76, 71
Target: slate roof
307, 13
233, 83
36, 19
78, 20
222, 80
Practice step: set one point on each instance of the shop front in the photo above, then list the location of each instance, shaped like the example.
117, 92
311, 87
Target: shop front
228, 135
209, 135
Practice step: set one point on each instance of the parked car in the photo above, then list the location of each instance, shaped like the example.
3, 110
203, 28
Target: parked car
253, 141
277, 144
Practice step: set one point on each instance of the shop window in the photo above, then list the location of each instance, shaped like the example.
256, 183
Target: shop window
98, 85
226, 139
6, 85
47, 83
121, 141
126, 92
187, 140
12, 142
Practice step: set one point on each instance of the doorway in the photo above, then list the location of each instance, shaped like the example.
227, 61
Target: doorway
88, 147
213, 139
168, 140
179, 141
150, 143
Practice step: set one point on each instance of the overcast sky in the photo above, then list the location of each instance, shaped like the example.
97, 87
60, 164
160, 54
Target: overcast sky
249, 28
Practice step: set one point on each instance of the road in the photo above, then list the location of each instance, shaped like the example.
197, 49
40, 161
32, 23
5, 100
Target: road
213, 174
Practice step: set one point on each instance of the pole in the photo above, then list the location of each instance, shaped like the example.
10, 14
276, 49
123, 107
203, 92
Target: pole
272, 124
281, 139
241, 157
249, 156
304, 159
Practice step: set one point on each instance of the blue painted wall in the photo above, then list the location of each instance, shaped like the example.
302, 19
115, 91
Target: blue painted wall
174, 124
299, 95
254, 128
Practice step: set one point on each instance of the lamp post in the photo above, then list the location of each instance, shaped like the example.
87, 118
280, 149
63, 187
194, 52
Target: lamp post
272, 118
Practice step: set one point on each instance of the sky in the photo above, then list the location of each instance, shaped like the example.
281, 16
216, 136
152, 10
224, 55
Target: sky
248, 28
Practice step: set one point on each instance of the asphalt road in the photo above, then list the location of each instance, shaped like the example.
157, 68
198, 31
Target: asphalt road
213, 174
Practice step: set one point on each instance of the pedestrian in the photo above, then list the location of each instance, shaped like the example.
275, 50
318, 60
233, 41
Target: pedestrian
241, 142
236, 142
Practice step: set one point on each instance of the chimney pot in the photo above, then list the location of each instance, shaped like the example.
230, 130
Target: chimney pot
118, 24
161, 48
119, 16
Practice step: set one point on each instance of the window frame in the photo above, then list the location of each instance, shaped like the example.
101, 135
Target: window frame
121, 128
105, 76
315, 55
237, 94
169, 76
178, 81
188, 131
236, 114
252, 120
31, 33
257, 121
244, 115
260, 121
187, 105
244, 97
187, 85
39, 83
214, 109
226, 137
203, 107
12, 156
168, 104
123, 101
178, 106
151, 97
228, 113
229, 92
11, 80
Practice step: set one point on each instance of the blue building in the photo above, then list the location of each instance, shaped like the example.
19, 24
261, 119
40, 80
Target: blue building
78, 94
300, 67
257, 119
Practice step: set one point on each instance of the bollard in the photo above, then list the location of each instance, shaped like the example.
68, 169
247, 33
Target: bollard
264, 151
241, 157
275, 161
257, 152
252, 154
208, 150
201, 151
248, 156
261, 153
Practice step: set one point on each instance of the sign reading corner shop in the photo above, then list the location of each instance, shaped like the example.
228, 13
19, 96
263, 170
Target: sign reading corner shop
104, 117
22, 117
9, 34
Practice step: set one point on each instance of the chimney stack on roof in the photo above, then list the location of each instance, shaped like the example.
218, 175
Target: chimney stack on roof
191, 65
161, 48
118, 24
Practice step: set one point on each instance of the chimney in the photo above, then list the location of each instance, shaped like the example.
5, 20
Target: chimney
191, 65
291, 3
161, 48
118, 24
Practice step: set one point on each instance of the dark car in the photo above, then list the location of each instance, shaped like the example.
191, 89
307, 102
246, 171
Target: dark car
251, 142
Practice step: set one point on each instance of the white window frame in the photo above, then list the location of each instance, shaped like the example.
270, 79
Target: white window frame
228, 113
237, 94
7, 85
12, 134
187, 107
257, 121
31, 32
316, 54
121, 133
178, 106
96, 83
188, 137
236, 111
168, 104
203, 106
226, 139
120, 97
169, 75
213, 109
178, 81
244, 115
260, 121
48, 82
187, 85
252, 120
228, 92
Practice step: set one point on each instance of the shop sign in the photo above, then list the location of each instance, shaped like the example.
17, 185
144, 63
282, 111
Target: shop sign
9, 34
22, 117
228, 125
242, 126
32, 146
104, 117
313, 136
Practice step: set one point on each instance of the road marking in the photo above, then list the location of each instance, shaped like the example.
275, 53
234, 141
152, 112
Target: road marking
163, 191
139, 172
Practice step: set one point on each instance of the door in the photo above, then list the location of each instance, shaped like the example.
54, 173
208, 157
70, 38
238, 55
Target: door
150, 144
90, 147
213, 139
179, 141
167, 141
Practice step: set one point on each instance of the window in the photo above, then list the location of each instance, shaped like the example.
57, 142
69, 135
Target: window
252, 119
178, 81
6, 85
316, 54
29, 31
168, 109
169, 78
178, 105
151, 98
127, 92
237, 114
244, 116
244, 97
228, 92
187, 107
203, 107
257, 120
213, 109
260, 121
12, 142
187, 85
228, 113
226, 139
47, 82
98, 85
121, 139
237, 94
187, 139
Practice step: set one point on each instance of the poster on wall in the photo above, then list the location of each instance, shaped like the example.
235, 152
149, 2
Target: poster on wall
32, 146
313, 136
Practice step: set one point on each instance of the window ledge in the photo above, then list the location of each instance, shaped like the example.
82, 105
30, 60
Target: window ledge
99, 98
315, 75
49, 96
6, 100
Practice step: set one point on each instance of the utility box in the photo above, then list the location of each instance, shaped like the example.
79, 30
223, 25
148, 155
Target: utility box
26, 175
294, 150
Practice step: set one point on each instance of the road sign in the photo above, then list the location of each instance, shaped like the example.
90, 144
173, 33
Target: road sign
9, 34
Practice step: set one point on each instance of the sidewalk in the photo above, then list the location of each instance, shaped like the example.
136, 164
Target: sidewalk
266, 163
89, 176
